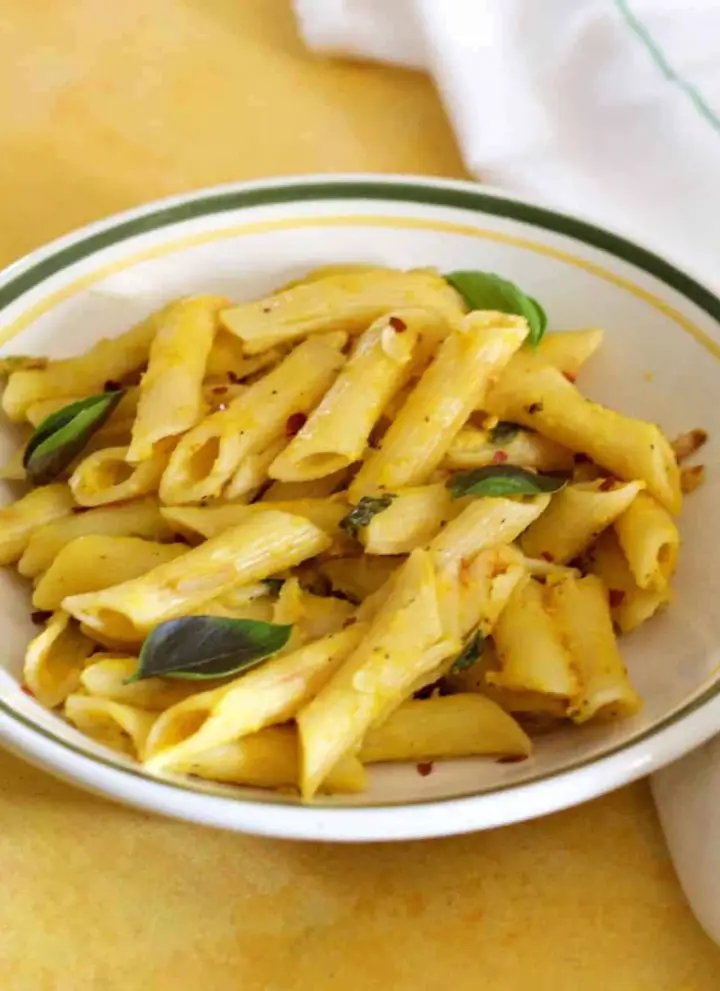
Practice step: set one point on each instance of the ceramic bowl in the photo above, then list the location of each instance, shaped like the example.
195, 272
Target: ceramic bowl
659, 362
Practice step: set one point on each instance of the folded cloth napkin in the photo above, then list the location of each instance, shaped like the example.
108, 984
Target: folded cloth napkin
610, 108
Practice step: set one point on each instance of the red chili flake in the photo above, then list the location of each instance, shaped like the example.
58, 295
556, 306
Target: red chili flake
112, 386
40, 616
219, 390
27, 691
397, 324
464, 572
607, 484
547, 556
295, 424
512, 759
616, 597
570, 377
425, 768
499, 458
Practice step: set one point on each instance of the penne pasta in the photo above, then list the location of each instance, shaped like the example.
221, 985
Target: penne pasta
311, 616
580, 608
482, 523
88, 564
319, 488
171, 400
337, 432
209, 455
241, 555
630, 605
445, 726
357, 578
568, 351
54, 660
271, 759
538, 396
450, 388
106, 477
109, 360
124, 411
123, 728
650, 542
413, 518
252, 473
105, 677
267, 695
208, 521
227, 358
575, 518
347, 301
20, 520
139, 518
475, 448
533, 657
401, 644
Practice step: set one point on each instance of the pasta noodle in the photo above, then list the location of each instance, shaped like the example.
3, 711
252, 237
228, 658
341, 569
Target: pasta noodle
453, 384
25, 517
121, 727
54, 660
630, 605
413, 517
106, 477
649, 540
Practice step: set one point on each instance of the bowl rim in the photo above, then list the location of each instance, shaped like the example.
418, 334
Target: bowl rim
683, 729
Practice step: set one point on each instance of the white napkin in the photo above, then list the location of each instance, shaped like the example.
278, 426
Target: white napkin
608, 108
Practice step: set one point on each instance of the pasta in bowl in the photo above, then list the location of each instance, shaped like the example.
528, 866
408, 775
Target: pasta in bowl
360, 524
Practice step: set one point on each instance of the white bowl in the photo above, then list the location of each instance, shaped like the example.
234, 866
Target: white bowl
660, 362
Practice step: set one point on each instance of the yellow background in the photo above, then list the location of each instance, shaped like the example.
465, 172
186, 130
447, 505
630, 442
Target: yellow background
107, 103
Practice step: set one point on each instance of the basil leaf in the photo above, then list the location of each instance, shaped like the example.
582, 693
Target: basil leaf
487, 291
504, 432
360, 515
502, 480
62, 435
470, 653
197, 647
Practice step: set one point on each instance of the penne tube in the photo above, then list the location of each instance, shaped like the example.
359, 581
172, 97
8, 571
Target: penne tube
319, 488
357, 578
252, 473
13, 470
125, 409
171, 400
140, 518
109, 360
88, 564
227, 358
271, 693
450, 388
485, 586
121, 727
106, 477
401, 644
311, 616
475, 448
413, 518
580, 609
575, 517
630, 605
445, 726
538, 396
532, 654
482, 524
337, 431
105, 675
20, 520
348, 302
54, 660
324, 271
271, 759
568, 351
241, 555
210, 454
650, 542
209, 521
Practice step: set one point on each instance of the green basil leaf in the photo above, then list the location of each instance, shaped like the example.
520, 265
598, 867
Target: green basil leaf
504, 432
470, 653
502, 480
487, 291
62, 436
360, 515
197, 647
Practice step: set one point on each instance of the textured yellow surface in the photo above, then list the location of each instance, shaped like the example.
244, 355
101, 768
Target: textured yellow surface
106, 104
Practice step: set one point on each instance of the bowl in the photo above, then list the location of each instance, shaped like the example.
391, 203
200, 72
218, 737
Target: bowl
659, 361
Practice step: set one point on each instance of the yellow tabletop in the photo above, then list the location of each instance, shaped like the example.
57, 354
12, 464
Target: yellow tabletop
107, 103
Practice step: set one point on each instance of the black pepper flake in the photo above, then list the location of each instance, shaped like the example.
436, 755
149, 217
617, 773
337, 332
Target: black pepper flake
512, 759
112, 386
232, 378
534, 408
40, 617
